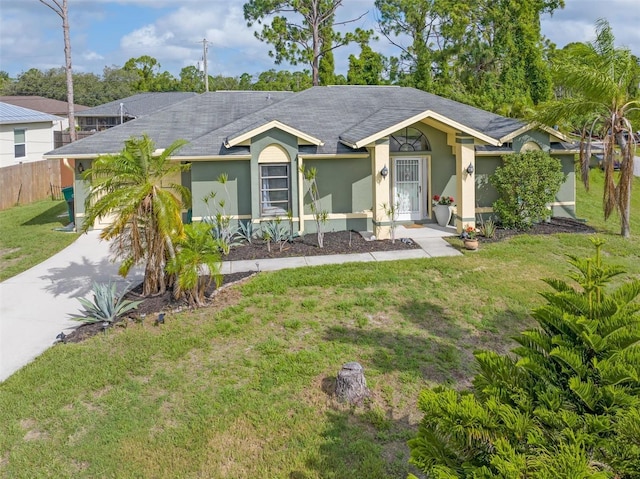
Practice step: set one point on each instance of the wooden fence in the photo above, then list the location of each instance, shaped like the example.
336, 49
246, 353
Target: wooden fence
28, 182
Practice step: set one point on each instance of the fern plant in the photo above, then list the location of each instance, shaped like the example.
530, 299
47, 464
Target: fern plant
107, 305
560, 404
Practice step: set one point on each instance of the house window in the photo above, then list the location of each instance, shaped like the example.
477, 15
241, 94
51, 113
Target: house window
20, 143
409, 139
275, 192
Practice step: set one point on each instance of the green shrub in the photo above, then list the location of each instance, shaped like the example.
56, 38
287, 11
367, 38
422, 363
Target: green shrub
526, 184
565, 404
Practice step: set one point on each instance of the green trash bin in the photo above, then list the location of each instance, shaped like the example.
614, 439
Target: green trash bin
68, 197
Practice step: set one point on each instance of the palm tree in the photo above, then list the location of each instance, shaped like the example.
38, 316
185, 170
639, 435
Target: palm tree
196, 263
134, 187
601, 88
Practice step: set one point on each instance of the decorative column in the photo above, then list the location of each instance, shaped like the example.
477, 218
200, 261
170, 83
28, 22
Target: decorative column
465, 181
381, 188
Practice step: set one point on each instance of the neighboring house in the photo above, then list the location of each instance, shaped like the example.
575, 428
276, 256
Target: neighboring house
369, 145
60, 128
117, 112
25, 135
45, 105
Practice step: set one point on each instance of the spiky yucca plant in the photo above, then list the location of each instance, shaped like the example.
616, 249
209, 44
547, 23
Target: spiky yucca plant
566, 403
107, 305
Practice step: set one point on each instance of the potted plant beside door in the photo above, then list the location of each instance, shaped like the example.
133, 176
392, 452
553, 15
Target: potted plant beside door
470, 238
442, 209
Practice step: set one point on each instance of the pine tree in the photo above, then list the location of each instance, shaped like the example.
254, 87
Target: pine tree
565, 404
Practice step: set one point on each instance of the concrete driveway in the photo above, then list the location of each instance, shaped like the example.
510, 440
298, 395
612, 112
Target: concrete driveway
36, 305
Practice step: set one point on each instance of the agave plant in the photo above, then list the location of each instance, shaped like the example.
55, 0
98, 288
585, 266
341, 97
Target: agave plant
107, 305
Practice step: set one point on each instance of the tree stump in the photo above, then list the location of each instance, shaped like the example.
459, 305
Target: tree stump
351, 386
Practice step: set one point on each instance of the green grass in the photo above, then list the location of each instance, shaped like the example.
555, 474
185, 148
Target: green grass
28, 236
238, 390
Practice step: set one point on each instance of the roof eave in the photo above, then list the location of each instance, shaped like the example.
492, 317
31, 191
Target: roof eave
236, 140
531, 126
419, 117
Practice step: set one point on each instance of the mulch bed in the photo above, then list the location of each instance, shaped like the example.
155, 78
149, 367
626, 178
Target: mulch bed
343, 242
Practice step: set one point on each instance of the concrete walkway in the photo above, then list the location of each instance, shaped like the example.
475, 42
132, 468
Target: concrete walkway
36, 305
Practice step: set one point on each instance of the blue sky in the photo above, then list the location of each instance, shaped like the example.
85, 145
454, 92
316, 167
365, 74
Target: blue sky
109, 32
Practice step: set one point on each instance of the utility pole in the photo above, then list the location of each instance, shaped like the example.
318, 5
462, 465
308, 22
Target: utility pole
205, 48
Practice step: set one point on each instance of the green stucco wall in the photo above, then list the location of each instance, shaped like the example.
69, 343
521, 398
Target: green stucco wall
344, 184
486, 193
567, 191
443, 162
80, 193
235, 193
536, 136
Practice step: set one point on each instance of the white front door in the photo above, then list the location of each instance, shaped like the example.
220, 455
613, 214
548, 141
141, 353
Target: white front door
407, 192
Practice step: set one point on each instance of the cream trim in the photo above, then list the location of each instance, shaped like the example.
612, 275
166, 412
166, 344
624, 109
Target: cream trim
274, 153
233, 217
332, 156
343, 216
84, 156
494, 153
531, 126
419, 117
211, 158
229, 142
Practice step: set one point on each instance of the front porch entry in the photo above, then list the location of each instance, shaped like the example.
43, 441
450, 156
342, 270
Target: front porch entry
409, 190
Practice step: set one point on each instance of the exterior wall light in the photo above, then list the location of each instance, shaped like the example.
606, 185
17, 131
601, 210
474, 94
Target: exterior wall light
384, 171
80, 167
470, 169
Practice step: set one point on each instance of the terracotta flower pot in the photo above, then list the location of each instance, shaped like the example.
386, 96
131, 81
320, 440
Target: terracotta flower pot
471, 244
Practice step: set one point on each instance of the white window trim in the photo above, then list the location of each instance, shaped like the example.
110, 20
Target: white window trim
268, 214
24, 143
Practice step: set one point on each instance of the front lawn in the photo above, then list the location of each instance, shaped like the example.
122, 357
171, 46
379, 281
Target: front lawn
29, 236
239, 390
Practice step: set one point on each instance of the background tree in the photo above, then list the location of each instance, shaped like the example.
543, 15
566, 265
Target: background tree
563, 405
489, 53
304, 42
134, 186
191, 79
282, 80
61, 9
149, 76
367, 69
600, 93
5, 80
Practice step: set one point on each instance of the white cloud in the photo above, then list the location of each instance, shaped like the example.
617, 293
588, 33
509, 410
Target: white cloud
91, 56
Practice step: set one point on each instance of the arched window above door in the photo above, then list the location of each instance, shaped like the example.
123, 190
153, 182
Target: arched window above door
409, 139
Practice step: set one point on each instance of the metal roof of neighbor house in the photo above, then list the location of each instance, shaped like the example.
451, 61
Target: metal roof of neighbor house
40, 103
330, 114
10, 114
137, 105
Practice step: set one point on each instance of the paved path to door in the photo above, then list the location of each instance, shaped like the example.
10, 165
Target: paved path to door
36, 305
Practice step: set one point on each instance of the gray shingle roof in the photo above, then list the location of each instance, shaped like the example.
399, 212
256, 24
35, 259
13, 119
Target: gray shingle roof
137, 105
331, 114
40, 103
16, 114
